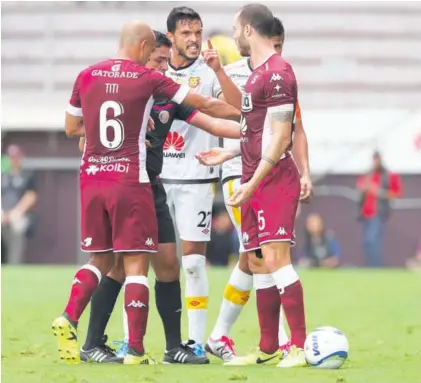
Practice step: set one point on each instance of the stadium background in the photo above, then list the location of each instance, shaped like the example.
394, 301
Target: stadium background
357, 64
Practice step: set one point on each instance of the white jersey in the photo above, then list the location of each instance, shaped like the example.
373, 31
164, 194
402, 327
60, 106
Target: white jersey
186, 141
239, 72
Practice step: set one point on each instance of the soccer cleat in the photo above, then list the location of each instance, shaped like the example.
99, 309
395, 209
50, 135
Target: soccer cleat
197, 349
184, 354
100, 354
295, 358
122, 351
65, 331
133, 357
256, 358
222, 348
285, 349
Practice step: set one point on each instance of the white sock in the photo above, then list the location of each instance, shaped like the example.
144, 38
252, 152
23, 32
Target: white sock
197, 292
284, 277
236, 295
125, 320
265, 281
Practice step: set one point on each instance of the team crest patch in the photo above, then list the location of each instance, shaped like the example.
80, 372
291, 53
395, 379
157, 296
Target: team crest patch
194, 82
246, 104
164, 116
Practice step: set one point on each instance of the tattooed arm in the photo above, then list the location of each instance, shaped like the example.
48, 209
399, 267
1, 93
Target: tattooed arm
280, 120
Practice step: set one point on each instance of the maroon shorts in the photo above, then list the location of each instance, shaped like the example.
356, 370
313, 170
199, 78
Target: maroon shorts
117, 217
269, 215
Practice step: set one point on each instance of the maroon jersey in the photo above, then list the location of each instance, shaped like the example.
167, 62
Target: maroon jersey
115, 98
271, 86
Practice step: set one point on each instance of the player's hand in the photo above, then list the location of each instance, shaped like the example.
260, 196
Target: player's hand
14, 215
151, 124
211, 57
306, 193
241, 195
214, 156
148, 144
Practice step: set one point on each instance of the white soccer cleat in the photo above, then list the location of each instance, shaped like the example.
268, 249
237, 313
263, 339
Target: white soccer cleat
222, 348
295, 358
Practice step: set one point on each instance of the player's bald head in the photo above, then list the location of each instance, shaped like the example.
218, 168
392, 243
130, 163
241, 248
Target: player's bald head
134, 32
138, 40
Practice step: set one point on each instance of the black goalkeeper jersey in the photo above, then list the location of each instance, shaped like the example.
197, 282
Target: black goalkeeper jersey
163, 113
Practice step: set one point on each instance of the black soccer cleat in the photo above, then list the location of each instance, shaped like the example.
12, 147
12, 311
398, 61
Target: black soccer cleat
184, 354
100, 354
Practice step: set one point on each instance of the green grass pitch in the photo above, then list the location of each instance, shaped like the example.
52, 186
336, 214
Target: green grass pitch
379, 311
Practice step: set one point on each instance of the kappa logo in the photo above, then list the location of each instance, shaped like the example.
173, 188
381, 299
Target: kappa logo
281, 231
136, 304
149, 242
275, 77
174, 142
194, 82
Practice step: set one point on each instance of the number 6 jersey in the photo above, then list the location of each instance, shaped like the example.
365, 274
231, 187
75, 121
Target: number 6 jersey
115, 98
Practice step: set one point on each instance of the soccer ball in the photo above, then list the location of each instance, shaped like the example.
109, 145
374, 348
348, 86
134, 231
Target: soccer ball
326, 347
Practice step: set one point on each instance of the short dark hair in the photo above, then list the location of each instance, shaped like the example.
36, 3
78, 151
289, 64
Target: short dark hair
259, 17
162, 40
278, 28
181, 13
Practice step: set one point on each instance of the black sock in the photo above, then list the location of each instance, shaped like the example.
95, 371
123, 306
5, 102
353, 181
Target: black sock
168, 303
102, 305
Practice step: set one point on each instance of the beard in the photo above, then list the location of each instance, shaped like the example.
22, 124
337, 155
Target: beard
184, 53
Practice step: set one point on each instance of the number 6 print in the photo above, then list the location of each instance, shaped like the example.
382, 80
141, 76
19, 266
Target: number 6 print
113, 123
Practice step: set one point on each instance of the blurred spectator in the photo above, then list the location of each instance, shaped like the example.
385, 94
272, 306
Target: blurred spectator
222, 245
321, 249
414, 263
17, 203
5, 166
227, 49
378, 187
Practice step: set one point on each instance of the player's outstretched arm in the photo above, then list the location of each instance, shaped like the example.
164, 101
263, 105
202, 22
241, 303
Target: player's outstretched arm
217, 156
212, 106
230, 92
216, 127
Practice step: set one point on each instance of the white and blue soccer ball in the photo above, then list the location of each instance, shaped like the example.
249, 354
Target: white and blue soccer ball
326, 347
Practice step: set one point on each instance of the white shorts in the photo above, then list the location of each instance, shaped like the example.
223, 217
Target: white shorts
191, 208
229, 188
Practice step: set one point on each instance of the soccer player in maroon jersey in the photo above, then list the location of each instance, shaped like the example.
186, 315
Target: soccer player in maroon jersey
270, 188
112, 100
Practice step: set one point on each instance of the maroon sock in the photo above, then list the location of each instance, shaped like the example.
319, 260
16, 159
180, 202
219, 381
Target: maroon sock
84, 284
293, 304
268, 308
136, 303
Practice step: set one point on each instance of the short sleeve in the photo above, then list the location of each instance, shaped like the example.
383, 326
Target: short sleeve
279, 91
75, 107
185, 113
164, 87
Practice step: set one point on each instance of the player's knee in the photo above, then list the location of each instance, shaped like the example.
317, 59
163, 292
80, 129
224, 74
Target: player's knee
117, 271
102, 261
168, 272
192, 248
194, 265
276, 254
243, 263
